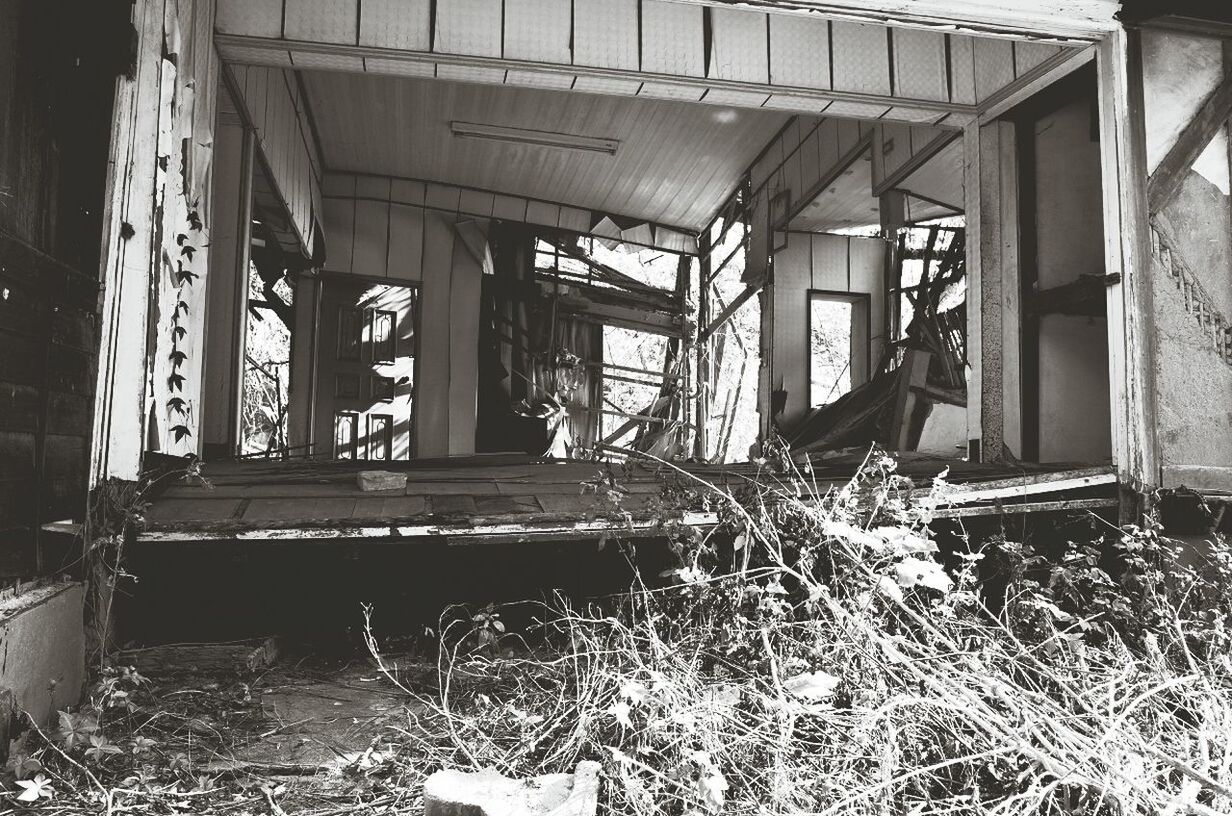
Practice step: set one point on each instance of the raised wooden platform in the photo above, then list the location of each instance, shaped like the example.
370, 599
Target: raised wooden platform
517, 498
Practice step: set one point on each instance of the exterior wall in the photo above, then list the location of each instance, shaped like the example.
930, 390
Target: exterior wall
1190, 269
42, 651
56, 87
275, 109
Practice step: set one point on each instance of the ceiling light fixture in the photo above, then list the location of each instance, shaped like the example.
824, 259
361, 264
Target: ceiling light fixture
543, 138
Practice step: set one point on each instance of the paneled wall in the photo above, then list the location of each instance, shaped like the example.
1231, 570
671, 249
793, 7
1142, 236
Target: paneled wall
271, 100
381, 229
651, 48
833, 263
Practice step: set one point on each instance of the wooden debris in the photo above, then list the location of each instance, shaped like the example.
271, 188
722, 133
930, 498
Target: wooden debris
201, 658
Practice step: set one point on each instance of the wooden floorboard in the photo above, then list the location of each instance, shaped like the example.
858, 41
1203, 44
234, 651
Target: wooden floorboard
475, 490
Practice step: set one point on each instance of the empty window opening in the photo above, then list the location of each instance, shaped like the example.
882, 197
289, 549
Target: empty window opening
730, 345
636, 383
267, 355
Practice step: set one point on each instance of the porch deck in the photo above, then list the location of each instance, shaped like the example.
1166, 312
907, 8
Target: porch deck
505, 498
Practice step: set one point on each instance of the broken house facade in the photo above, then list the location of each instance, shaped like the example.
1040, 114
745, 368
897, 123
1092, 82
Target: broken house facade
491, 245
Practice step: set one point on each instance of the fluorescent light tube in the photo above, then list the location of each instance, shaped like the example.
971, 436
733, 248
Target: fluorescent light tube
543, 138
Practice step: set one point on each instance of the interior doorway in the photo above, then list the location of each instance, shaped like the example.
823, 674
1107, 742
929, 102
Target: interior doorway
364, 402
1066, 412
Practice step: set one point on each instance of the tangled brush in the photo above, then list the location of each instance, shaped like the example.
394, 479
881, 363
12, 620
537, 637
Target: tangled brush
814, 655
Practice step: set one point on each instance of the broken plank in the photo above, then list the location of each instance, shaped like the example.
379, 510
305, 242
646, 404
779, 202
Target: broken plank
201, 658
1030, 507
1029, 488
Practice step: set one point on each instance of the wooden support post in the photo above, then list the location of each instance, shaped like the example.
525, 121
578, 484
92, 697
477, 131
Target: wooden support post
1127, 251
705, 377
974, 305
993, 267
227, 286
893, 206
120, 398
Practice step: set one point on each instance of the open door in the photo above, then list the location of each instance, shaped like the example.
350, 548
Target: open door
366, 348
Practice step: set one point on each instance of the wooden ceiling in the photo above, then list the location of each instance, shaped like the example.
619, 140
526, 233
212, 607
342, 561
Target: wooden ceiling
847, 203
676, 163
1046, 19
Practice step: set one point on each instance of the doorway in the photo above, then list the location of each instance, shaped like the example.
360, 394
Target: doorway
364, 401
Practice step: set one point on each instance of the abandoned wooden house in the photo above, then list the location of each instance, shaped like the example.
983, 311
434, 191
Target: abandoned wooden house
490, 248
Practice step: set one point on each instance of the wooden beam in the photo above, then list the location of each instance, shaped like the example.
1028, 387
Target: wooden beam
726, 314
1045, 74
1214, 113
1084, 296
806, 97
915, 162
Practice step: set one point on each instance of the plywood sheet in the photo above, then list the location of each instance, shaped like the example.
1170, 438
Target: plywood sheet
253, 18
739, 45
962, 69
401, 24
327, 21
799, 51
605, 33
861, 55
406, 234
792, 279
1029, 55
470, 27
919, 65
672, 39
339, 217
994, 66
831, 263
539, 30
371, 248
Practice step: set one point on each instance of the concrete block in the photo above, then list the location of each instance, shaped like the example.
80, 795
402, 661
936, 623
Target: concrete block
488, 793
42, 649
369, 480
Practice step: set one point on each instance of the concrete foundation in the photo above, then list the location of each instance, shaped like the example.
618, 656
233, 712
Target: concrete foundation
42, 650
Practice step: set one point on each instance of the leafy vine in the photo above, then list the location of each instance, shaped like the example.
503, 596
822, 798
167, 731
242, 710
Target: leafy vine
185, 277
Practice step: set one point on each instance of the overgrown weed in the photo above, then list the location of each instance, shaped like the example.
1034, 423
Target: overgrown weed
813, 656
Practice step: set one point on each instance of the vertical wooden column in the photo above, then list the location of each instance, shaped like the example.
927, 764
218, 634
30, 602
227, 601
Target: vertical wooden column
974, 305
994, 308
705, 377
301, 396
227, 286
1131, 361
121, 398
893, 206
